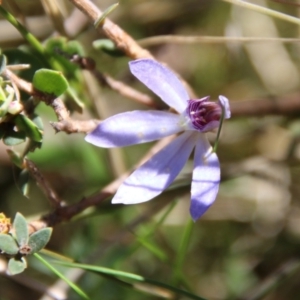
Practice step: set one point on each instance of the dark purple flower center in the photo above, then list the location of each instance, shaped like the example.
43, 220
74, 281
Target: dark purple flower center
204, 114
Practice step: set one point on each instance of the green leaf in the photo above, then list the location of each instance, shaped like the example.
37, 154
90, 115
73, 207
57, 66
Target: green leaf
50, 82
37, 120
23, 182
3, 62
17, 56
15, 158
135, 277
8, 244
31, 130
16, 266
39, 239
80, 292
74, 46
109, 10
4, 106
57, 48
21, 229
108, 46
12, 138
2, 93
33, 145
76, 103
154, 249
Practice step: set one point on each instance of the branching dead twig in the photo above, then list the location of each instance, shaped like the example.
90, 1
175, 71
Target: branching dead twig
122, 40
87, 63
287, 105
125, 90
179, 39
62, 214
65, 123
43, 183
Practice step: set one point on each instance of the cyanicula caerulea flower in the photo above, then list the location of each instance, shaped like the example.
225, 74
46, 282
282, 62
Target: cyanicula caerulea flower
195, 118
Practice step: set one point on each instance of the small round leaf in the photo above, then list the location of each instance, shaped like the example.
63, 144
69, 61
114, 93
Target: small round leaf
15, 158
50, 82
24, 182
12, 138
3, 62
108, 46
21, 229
39, 239
16, 266
8, 244
29, 127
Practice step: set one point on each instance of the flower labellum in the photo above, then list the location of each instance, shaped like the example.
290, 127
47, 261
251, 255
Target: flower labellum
195, 118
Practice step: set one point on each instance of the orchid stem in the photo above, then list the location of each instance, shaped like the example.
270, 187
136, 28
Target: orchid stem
219, 130
265, 10
182, 250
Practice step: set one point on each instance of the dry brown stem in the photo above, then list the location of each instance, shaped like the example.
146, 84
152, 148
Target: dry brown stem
286, 105
65, 123
43, 183
122, 40
124, 89
87, 63
75, 126
186, 40
66, 213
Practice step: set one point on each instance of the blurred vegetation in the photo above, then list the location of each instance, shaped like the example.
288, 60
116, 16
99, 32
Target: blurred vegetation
247, 246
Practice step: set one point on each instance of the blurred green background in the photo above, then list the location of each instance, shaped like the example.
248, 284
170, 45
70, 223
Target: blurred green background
253, 229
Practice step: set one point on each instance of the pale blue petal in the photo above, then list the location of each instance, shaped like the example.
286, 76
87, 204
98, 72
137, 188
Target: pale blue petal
162, 81
158, 173
224, 102
134, 127
206, 178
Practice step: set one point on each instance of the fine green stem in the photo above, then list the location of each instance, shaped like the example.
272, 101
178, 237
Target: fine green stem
265, 10
131, 276
81, 293
30, 38
182, 251
219, 130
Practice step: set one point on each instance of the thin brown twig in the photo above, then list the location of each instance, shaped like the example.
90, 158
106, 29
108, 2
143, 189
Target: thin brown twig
65, 123
87, 63
75, 126
286, 2
122, 40
19, 82
62, 214
125, 90
179, 39
43, 183
56, 103
287, 105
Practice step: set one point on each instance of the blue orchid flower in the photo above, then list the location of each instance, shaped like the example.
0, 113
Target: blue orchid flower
194, 119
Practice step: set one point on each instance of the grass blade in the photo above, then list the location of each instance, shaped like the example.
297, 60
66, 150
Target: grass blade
81, 293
